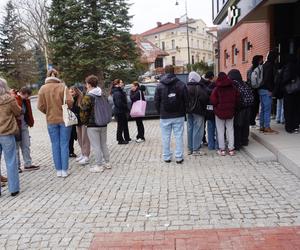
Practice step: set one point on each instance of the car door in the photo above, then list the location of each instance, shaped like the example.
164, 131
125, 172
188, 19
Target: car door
149, 96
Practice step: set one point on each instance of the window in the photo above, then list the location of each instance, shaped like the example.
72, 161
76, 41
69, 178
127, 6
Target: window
173, 44
150, 90
193, 59
163, 45
173, 60
159, 63
198, 44
225, 58
245, 49
233, 55
192, 43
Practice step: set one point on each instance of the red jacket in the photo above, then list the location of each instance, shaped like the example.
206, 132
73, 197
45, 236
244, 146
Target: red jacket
28, 116
225, 98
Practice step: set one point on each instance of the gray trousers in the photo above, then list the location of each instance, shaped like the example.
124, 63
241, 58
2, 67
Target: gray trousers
98, 140
24, 144
221, 125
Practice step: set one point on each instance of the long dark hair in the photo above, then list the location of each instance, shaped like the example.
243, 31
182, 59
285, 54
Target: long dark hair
255, 61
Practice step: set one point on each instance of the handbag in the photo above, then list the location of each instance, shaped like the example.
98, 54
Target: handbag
293, 87
69, 117
138, 108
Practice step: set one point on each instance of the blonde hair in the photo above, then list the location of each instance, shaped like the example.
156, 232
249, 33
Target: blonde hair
4, 89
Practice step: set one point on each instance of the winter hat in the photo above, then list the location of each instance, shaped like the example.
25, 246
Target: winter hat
235, 75
209, 75
194, 77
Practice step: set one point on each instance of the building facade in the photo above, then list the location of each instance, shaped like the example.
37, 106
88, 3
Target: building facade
254, 27
172, 38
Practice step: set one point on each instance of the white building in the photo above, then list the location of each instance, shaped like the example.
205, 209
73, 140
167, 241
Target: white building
172, 38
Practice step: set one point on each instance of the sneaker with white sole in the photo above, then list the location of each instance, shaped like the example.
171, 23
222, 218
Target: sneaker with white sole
59, 173
139, 140
95, 169
64, 174
79, 158
107, 165
85, 160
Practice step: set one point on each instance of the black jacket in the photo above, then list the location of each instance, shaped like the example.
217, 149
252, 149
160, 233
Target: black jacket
167, 82
135, 95
269, 72
198, 98
120, 101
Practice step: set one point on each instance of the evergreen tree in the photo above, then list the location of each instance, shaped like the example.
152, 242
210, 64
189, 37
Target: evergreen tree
91, 37
16, 61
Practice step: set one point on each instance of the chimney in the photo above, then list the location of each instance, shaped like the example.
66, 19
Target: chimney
177, 20
159, 24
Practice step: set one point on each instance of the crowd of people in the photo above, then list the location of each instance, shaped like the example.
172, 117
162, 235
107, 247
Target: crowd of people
219, 111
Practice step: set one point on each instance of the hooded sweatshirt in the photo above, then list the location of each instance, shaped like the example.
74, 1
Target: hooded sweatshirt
9, 110
197, 95
87, 113
225, 98
171, 97
50, 100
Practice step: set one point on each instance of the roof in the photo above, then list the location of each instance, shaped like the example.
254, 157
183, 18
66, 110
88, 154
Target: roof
161, 28
149, 52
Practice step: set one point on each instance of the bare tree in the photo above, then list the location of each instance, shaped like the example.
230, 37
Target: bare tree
33, 16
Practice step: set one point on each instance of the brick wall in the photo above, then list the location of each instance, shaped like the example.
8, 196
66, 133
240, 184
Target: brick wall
256, 33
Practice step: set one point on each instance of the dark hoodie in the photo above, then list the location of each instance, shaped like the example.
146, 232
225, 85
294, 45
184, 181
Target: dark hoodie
269, 71
225, 98
120, 101
174, 107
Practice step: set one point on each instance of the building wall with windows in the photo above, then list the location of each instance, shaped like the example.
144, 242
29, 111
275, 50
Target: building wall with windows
235, 52
173, 40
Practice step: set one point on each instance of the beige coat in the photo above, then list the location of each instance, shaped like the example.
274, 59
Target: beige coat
9, 110
50, 100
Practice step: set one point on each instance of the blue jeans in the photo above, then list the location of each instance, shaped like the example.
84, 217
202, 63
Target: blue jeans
177, 126
212, 135
60, 137
279, 111
9, 148
266, 107
195, 131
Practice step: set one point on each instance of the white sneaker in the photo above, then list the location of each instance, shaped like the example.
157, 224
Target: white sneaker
64, 174
59, 173
95, 169
79, 158
84, 160
139, 140
107, 165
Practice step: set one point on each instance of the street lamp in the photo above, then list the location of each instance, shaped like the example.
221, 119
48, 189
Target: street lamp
187, 32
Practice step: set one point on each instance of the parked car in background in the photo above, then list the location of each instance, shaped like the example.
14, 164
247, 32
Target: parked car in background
149, 97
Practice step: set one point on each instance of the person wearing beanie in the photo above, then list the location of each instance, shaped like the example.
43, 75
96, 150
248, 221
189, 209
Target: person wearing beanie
50, 101
225, 99
196, 109
9, 111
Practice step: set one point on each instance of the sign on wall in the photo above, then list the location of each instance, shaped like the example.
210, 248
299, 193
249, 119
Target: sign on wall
233, 15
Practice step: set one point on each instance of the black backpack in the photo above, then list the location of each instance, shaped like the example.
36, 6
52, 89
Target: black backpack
171, 98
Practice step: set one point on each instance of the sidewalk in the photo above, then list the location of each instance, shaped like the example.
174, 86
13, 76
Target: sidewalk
285, 146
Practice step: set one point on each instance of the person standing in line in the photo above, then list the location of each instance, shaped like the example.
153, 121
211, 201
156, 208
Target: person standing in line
26, 120
137, 93
97, 134
9, 111
170, 100
196, 109
81, 130
75, 93
290, 73
265, 93
121, 111
256, 61
225, 98
242, 116
50, 101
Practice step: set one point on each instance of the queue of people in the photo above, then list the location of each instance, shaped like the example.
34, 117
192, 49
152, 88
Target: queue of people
220, 108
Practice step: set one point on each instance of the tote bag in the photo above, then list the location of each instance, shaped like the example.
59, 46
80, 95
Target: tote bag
69, 117
138, 108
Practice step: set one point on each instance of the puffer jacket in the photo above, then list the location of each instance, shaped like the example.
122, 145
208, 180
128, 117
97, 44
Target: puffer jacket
120, 101
225, 98
9, 110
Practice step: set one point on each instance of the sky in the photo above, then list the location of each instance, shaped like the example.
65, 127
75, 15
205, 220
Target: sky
147, 12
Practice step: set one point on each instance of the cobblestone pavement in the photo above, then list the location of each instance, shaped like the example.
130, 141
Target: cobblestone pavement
141, 193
